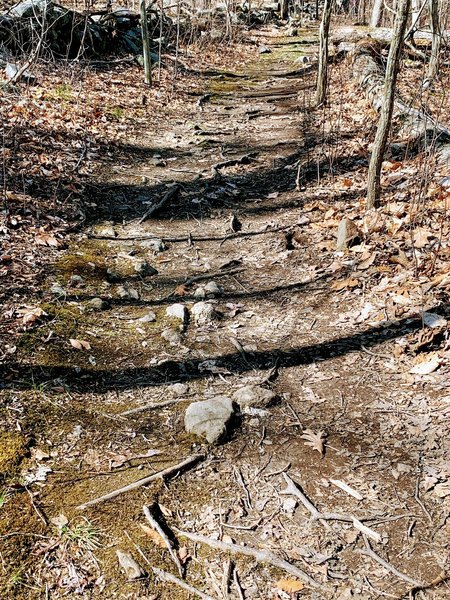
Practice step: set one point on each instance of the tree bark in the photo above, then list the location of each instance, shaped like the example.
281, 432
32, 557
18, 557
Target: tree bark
322, 75
436, 39
146, 51
384, 123
376, 13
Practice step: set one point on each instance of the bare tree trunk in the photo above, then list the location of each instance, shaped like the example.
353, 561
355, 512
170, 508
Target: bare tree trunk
146, 45
376, 13
436, 39
322, 74
384, 123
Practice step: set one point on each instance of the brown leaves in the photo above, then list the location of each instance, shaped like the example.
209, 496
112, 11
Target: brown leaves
290, 586
315, 440
153, 535
47, 239
31, 314
80, 344
344, 284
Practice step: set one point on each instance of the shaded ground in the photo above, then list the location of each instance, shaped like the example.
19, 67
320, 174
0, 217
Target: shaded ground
332, 334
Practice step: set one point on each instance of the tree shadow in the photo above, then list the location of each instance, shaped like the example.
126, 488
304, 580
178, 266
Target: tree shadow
86, 379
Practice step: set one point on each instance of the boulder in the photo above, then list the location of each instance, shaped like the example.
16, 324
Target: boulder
209, 418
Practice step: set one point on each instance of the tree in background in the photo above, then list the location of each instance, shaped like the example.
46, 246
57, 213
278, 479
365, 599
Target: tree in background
384, 123
322, 75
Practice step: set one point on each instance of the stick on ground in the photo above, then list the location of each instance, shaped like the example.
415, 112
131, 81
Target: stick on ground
260, 555
140, 482
157, 527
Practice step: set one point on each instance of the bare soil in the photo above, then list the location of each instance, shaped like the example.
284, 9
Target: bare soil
336, 355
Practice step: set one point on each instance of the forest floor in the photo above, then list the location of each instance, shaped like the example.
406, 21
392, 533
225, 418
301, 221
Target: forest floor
353, 345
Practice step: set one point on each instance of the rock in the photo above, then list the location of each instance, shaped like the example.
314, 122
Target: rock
76, 280
200, 293
289, 505
212, 289
98, 304
132, 569
178, 389
209, 418
348, 235
254, 395
143, 268
155, 244
127, 292
264, 50
178, 311
113, 276
171, 336
150, 317
57, 290
203, 313
106, 231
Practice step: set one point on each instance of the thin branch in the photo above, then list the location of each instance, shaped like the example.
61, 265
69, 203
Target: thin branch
137, 484
157, 527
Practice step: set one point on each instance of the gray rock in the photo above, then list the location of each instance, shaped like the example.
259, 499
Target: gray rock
212, 289
143, 268
200, 293
57, 290
178, 311
171, 336
97, 304
150, 317
76, 280
264, 50
127, 292
113, 276
203, 313
155, 244
132, 569
347, 234
178, 389
254, 395
209, 418
107, 231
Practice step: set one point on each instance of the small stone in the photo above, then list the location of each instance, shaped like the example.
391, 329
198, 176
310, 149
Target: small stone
76, 280
57, 290
178, 389
98, 304
348, 235
264, 50
212, 289
106, 231
200, 293
171, 336
143, 268
209, 418
254, 395
155, 244
132, 569
289, 505
125, 292
178, 311
113, 276
148, 318
203, 313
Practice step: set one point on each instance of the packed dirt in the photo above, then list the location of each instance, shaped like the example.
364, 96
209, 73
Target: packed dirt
255, 183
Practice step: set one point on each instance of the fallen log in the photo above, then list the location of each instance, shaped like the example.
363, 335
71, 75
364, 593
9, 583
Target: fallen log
419, 130
353, 35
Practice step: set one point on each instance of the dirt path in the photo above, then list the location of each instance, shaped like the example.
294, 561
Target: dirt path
275, 322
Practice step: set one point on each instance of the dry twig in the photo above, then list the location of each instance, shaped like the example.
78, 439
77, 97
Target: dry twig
137, 484
157, 527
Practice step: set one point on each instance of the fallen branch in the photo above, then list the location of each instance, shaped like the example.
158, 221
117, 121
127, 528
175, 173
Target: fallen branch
243, 160
139, 409
157, 527
169, 195
367, 551
144, 481
165, 576
293, 490
265, 556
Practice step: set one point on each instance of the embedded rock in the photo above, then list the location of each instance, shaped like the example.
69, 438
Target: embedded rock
209, 418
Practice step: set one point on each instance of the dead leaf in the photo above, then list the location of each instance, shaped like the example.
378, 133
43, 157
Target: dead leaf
180, 290
315, 440
344, 283
46, 239
30, 315
442, 490
183, 555
420, 237
80, 344
427, 365
153, 535
290, 586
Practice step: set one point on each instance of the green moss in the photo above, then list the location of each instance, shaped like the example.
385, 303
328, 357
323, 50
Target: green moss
87, 260
13, 448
